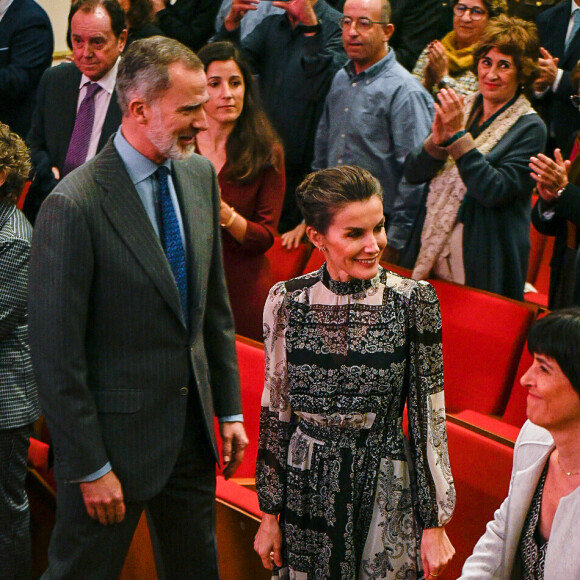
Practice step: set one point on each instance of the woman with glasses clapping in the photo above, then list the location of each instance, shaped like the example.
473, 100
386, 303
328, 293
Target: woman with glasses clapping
448, 63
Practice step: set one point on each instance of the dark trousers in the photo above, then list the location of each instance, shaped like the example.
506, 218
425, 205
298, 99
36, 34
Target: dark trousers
181, 518
15, 552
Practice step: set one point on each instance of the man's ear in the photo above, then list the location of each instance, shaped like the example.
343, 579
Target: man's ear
388, 31
3, 176
139, 110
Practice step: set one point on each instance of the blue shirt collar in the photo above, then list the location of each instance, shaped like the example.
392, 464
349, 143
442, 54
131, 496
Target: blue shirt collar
376, 69
138, 166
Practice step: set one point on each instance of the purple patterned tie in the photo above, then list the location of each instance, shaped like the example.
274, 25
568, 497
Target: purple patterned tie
78, 147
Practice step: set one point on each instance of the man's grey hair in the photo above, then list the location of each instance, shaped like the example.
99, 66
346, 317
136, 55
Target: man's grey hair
144, 69
386, 11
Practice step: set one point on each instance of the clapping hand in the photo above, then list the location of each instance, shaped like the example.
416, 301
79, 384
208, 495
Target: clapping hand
448, 118
548, 66
550, 175
436, 67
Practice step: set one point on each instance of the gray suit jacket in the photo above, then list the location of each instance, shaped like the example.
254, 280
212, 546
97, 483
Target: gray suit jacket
114, 360
494, 554
18, 396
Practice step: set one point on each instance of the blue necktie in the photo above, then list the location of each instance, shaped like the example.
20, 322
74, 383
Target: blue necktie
171, 238
575, 27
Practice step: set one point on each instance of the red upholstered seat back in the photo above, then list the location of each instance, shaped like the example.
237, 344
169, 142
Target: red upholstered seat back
483, 338
286, 264
481, 470
251, 365
314, 262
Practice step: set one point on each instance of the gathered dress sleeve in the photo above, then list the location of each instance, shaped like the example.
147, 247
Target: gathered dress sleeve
276, 425
426, 409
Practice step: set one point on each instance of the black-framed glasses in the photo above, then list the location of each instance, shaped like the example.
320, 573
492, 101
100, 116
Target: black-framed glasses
575, 100
362, 23
475, 12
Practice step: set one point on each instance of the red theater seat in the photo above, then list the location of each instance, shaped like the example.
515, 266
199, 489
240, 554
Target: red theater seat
287, 264
483, 339
481, 469
251, 365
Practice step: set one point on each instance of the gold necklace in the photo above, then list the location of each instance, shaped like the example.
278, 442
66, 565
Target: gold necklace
568, 473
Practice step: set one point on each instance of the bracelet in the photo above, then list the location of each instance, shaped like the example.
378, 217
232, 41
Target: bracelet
561, 191
231, 220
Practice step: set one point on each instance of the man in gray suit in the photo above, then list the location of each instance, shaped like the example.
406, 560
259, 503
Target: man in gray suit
132, 335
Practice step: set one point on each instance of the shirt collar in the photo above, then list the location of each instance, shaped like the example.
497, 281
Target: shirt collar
138, 166
573, 8
385, 63
4, 5
107, 82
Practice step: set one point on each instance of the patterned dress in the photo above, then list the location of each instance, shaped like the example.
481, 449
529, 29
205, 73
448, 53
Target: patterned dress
342, 360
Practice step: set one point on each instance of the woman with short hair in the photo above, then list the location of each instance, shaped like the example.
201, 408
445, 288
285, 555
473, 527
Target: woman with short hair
448, 63
477, 223
19, 406
535, 533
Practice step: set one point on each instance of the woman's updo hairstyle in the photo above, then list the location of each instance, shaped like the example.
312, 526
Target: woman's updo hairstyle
324, 192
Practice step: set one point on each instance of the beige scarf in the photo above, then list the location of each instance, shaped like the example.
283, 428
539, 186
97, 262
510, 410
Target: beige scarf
447, 190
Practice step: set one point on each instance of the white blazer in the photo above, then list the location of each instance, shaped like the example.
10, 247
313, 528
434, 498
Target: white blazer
494, 554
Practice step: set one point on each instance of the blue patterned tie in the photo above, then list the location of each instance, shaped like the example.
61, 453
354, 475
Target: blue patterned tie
575, 27
171, 238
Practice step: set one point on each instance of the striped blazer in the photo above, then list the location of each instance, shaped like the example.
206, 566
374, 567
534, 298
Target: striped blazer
18, 396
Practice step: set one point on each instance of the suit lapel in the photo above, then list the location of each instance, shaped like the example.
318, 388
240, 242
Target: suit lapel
559, 27
112, 121
525, 482
68, 98
131, 222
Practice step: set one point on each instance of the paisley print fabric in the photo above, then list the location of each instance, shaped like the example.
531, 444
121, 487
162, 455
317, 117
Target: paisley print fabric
532, 547
342, 360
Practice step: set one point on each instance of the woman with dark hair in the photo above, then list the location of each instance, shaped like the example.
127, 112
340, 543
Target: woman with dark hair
19, 406
535, 533
140, 18
477, 223
344, 494
448, 63
249, 161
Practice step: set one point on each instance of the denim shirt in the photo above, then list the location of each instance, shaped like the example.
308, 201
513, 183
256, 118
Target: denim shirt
374, 119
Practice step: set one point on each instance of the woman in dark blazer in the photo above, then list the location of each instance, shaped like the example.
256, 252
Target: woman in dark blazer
18, 397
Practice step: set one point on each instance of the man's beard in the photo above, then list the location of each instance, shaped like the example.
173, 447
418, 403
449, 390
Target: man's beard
167, 143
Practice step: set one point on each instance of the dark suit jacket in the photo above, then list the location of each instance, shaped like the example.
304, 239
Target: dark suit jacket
189, 21
567, 208
26, 45
112, 356
18, 397
52, 126
561, 116
417, 23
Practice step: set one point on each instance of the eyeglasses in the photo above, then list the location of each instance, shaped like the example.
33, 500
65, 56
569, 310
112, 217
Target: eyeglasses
475, 12
362, 23
575, 99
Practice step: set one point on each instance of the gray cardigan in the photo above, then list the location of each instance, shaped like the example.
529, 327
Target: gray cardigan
496, 208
